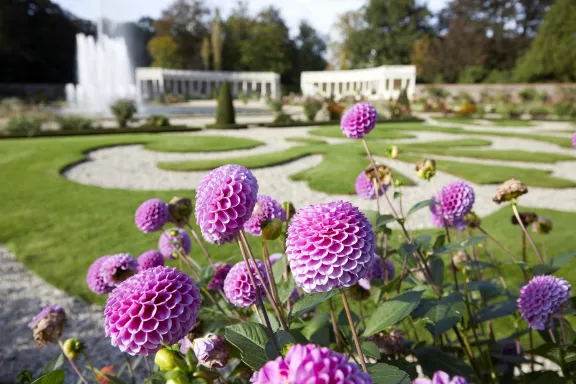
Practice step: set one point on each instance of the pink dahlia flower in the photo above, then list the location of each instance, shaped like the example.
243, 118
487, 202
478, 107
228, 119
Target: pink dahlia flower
238, 287
266, 208
359, 120
456, 200
441, 377
542, 297
220, 273
329, 246
310, 364
158, 305
438, 220
173, 241
117, 268
151, 215
95, 278
365, 187
574, 141
224, 202
150, 259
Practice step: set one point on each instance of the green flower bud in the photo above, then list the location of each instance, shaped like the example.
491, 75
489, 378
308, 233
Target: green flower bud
426, 169
164, 359
180, 210
286, 348
288, 207
73, 348
398, 183
394, 152
271, 229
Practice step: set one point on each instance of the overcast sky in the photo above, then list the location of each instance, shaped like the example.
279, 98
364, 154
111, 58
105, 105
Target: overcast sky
320, 13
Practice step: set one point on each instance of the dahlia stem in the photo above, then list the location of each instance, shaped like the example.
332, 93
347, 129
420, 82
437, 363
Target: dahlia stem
378, 179
72, 363
335, 325
508, 252
268, 267
90, 364
201, 244
255, 308
275, 306
544, 248
148, 365
468, 352
515, 209
130, 368
377, 191
353, 329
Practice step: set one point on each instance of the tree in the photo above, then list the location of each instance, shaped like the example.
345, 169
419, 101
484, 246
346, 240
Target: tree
311, 49
552, 55
205, 53
165, 53
216, 38
237, 29
347, 23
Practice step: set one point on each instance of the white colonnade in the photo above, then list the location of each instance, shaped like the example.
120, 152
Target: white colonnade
384, 82
153, 82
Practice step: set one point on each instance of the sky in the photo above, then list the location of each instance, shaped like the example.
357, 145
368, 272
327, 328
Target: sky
320, 13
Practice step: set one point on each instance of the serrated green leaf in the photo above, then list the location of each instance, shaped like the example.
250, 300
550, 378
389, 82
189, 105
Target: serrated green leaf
445, 314
420, 205
388, 374
553, 265
309, 302
433, 359
285, 288
250, 339
54, 364
495, 311
458, 245
392, 312
54, 377
369, 348
439, 241
437, 269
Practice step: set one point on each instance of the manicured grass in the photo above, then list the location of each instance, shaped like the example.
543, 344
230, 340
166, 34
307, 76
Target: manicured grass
457, 120
511, 122
380, 132
491, 154
475, 121
305, 140
190, 143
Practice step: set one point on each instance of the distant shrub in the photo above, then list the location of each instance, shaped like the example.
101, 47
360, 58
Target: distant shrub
225, 113
283, 118
74, 123
24, 125
275, 105
335, 110
311, 108
539, 112
158, 121
528, 94
124, 111
438, 93
498, 77
170, 98
514, 112
467, 109
243, 97
564, 109
403, 100
471, 75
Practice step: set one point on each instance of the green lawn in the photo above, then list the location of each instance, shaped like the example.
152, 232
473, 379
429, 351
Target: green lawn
497, 122
335, 131
305, 140
193, 143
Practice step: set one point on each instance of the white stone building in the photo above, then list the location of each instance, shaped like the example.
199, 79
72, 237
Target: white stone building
153, 82
384, 82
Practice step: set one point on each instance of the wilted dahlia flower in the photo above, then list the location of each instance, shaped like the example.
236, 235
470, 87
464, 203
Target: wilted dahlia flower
310, 364
375, 271
158, 305
95, 278
329, 246
151, 215
509, 190
150, 259
441, 377
359, 120
224, 202
173, 241
238, 287
365, 187
220, 272
117, 268
542, 297
266, 208
211, 351
47, 326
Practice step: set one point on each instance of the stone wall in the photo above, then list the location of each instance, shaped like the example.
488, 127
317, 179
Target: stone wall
475, 90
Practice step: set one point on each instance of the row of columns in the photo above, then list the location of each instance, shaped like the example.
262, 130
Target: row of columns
383, 87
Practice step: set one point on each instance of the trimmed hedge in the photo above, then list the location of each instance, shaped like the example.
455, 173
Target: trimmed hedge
102, 131
226, 126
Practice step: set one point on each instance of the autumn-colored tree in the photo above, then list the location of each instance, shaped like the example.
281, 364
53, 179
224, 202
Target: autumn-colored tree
216, 39
165, 53
205, 53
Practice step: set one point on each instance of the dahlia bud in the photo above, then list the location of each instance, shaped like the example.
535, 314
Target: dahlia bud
47, 326
180, 209
288, 207
384, 174
510, 190
164, 359
398, 183
526, 217
472, 220
73, 348
211, 351
426, 169
542, 225
271, 229
393, 152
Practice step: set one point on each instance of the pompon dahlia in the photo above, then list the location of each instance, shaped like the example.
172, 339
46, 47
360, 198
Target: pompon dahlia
220, 273
365, 187
375, 271
574, 140
151, 215
441, 377
438, 221
48, 324
224, 202
158, 305
329, 246
359, 120
266, 208
117, 268
310, 364
150, 259
95, 278
456, 200
542, 297
238, 287
174, 240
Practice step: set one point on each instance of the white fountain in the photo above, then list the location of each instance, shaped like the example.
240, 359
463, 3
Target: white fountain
104, 74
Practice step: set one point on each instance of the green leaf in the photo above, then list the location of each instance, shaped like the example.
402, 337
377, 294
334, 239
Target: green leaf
458, 245
406, 251
420, 205
439, 242
388, 374
285, 288
433, 359
396, 195
282, 338
382, 220
250, 339
371, 215
392, 312
54, 377
487, 288
445, 314
278, 269
564, 356
495, 311
553, 265
437, 269
309, 302
369, 348
318, 329
54, 364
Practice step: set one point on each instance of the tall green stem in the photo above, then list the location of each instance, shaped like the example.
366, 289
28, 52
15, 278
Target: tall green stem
73, 364
521, 224
353, 329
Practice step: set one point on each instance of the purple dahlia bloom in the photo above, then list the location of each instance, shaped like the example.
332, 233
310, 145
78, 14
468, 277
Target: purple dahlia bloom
542, 297
266, 208
220, 273
310, 364
150, 259
329, 246
365, 187
441, 377
359, 120
151, 215
224, 202
238, 287
117, 268
456, 200
438, 220
172, 241
158, 305
95, 278
375, 271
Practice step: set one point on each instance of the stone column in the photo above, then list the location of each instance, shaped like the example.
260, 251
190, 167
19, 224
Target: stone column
208, 87
263, 89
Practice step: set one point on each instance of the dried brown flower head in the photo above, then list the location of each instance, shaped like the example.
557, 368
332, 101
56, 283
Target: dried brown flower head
510, 190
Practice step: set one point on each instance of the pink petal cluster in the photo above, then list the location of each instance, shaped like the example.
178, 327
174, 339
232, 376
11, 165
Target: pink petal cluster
455, 201
365, 187
329, 246
158, 305
173, 241
375, 271
224, 202
117, 268
441, 377
266, 208
359, 120
150, 259
542, 297
220, 273
151, 215
238, 287
310, 364
95, 278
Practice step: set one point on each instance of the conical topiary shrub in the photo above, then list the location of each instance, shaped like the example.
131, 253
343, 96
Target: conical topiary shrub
225, 115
